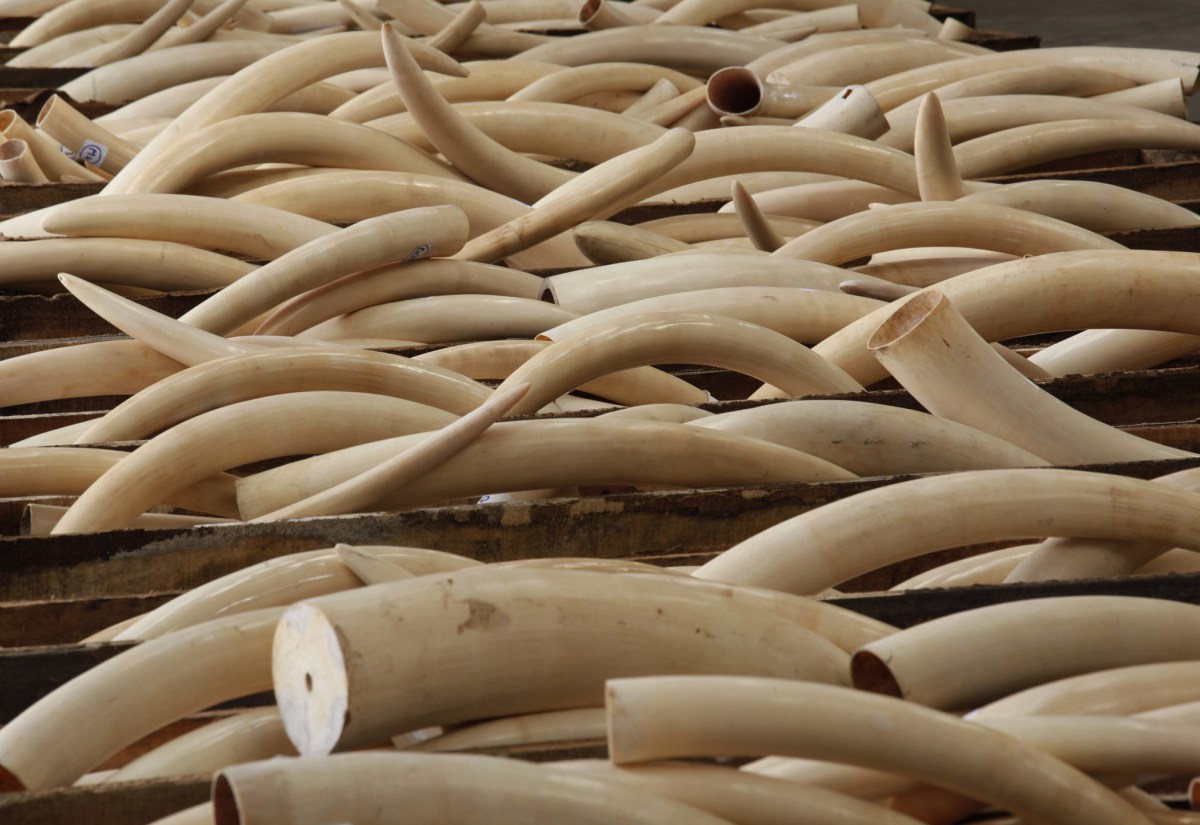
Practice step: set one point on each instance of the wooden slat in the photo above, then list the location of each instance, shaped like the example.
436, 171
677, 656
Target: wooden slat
127, 803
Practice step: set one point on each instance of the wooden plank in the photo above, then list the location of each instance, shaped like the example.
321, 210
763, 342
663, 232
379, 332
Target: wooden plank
16, 198
62, 621
1174, 181
25, 317
125, 803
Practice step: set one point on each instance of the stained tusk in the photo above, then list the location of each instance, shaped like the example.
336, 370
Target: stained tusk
873, 439
550, 454
408, 235
852, 111
803, 554
935, 354
937, 172
608, 242
936, 223
757, 227
331, 699
246, 431
46, 153
359, 492
225, 381
17, 163
906, 664
1099, 207
673, 716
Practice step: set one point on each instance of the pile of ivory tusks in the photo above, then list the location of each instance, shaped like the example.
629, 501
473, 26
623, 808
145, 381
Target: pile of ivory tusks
251, 130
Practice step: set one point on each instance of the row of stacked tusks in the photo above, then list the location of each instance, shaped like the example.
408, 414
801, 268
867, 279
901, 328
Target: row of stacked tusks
438, 134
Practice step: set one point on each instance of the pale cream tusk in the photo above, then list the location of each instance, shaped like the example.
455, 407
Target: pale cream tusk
667, 337
686, 48
407, 235
937, 172
87, 140
211, 223
244, 737
574, 725
551, 454
736, 90
201, 29
922, 267
437, 276
936, 223
455, 33
64, 49
785, 28
672, 111
80, 15
147, 32
53, 163
845, 65
671, 716
429, 18
662, 91
446, 789
953, 29
478, 156
597, 192
585, 291
247, 431
154, 111
873, 289
17, 164
804, 554
606, 14
873, 439
1165, 96
757, 227
499, 359
904, 663
363, 18
225, 381
330, 699
984, 568
708, 226
804, 315
825, 201
96, 368
1099, 207
209, 663
832, 19
1024, 146
154, 71
935, 354
1019, 362
874, 13
443, 319
358, 493
1109, 350
370, 569
671, 413
39, 520
861, 783
608, 242
1119, 691
852, 111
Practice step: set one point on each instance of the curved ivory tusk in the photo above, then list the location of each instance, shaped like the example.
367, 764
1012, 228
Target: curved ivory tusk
430, 18
604, 14
845, 65
39, 520
597, 192
874, 13
239, 227
922, 267
598, 288
438, 276
984, 568
359, 492
247, 431
927, 664
318, 98
147, 32
245, 737
935, 354
825, 201
757, 227
82, 370
665, 337
201, 29
574, 82
455, 33
478, 156
450, 789
804, 315
1109, 350
656, 717
872, 289
442, 319
330, 691
499, 359
686, 48
936, 223
873, 439
937, 172
87, 140
609, 242
736, 90
70, 17
574, 725
209, 664
1024, 146
64, 49
852, 111
1099, 207
17, 163
407, 235
48, 155
1119, 691
550, 454
1165, 96
805, 554
216, 383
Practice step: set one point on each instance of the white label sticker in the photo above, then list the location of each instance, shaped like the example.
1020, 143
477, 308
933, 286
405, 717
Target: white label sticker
93, 153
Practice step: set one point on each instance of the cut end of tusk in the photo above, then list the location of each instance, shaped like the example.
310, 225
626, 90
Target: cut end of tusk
309, 671
13, 149
1194, 794
734, 91
225, 802
869, 672
905, 319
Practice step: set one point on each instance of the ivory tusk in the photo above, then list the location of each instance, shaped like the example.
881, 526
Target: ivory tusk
359, 492
438, 276
407, 235
574, 82
247, 431
478, 156
934, 353
64, 49
449, 789
825, 201
605, 14
671, 716
597, 192
735, 90
39, 520
1108, 350
368, 568
1099, 207
874, 13
17, 164
662, 91
147, 32
331, 688
608, 242
1024, 146
254, 375
922, 267
1118, 691
873, 289
455, 33
852, 111
550, 454
201, 29
1064, 81
429, 18
936, 223
1165, 96
873, 439
676, 338
363, 18
53, 163
757, 227
243, 228
686, 48
804, 554
937, 171
85, 139
75, 16
209, 664
905, 664
576, 724
847, 65
673, 111
984, 568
